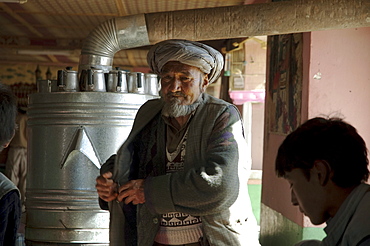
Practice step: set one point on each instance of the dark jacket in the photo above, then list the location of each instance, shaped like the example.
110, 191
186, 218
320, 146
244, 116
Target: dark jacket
10, 211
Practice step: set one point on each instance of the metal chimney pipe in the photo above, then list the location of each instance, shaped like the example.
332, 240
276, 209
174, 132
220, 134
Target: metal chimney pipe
110, 37
220, 23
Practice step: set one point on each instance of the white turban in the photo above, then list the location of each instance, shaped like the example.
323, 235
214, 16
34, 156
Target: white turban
191, 53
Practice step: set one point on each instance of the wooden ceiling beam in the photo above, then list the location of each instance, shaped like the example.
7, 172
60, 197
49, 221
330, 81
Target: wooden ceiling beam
63, 14
53, 58
121, 8
10, 12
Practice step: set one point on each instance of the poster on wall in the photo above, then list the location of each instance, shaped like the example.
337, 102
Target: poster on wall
285, 82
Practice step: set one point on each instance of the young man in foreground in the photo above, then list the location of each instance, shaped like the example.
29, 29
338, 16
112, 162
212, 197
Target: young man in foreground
325, 162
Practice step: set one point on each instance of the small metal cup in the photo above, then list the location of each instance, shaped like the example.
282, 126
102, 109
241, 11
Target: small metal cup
43, 85
151, 82
117, 81
92, 80
136, 83
67, 80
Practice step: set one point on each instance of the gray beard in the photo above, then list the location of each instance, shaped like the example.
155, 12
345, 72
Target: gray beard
174, 109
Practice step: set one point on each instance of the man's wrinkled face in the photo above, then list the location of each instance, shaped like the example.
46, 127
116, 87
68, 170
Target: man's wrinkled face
307, 194
182, 83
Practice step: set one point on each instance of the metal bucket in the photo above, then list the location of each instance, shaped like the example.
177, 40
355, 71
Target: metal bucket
70, 135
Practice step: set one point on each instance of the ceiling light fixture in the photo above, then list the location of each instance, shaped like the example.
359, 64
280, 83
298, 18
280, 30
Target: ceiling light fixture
46, 52
13, 1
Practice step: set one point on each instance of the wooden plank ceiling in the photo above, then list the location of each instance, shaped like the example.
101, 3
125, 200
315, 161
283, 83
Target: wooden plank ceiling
54, 30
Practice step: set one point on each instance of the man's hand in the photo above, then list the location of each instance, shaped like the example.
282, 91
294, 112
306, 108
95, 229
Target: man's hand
106, 188
132, 191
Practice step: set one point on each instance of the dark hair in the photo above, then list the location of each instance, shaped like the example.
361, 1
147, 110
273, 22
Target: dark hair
332, 140
8, 114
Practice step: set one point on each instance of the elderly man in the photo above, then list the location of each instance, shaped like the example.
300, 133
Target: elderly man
10, 203
180, 177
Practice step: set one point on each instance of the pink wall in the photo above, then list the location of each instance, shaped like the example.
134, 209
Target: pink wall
343, 59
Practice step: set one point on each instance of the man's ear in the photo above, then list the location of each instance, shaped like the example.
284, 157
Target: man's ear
323, 171
5, 145
205, 82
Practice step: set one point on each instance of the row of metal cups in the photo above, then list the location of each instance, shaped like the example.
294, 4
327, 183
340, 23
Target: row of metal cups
96, 80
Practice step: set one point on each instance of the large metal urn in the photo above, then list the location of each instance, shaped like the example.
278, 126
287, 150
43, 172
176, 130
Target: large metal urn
70, 135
